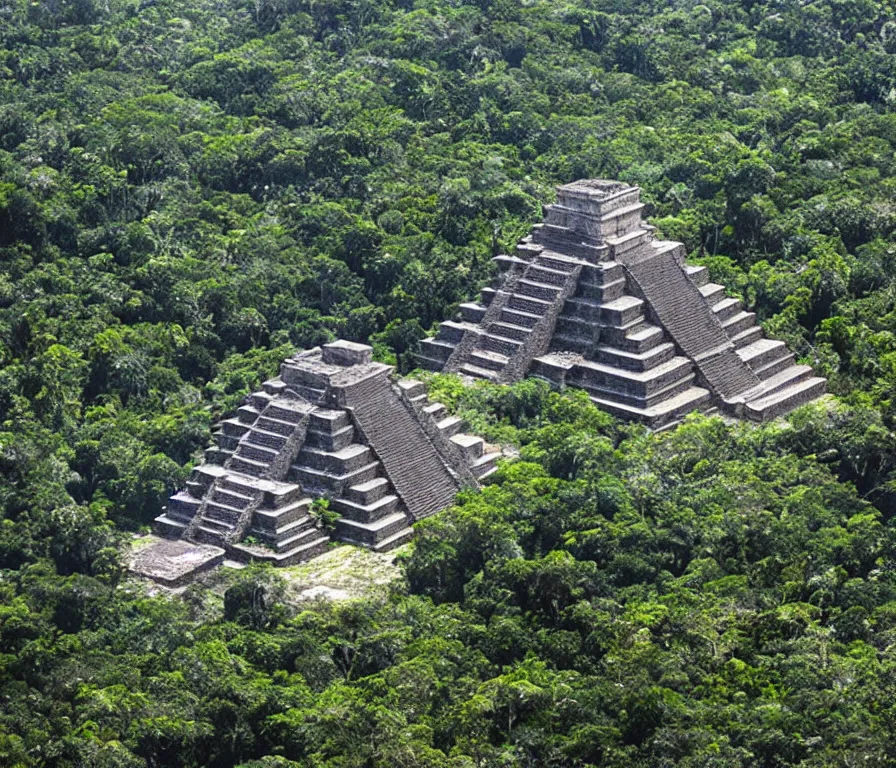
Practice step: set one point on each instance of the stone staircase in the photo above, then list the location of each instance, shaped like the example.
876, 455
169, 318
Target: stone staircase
783, 384
332, 426
524, 321
233, 497
413, 465
473, 451
624, 321
628, 365
333, 464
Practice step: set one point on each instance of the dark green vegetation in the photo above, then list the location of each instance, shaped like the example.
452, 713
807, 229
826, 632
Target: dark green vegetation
710, 597
188, 190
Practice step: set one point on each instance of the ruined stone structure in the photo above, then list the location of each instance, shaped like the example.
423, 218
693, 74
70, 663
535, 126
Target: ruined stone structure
332, 425
591, 300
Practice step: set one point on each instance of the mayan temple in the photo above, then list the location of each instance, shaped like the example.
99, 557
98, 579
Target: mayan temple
591, 300
334, 424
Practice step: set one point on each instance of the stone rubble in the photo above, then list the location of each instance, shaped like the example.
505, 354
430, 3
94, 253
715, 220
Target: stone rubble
591, 300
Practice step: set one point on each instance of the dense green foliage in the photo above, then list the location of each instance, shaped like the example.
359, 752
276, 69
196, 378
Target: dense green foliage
702, 598
188, 191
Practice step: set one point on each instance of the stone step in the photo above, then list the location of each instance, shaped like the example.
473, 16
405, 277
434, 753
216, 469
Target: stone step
411, 387
662, 413
603, 273
477, 372
713, 292
367, 492
472, 312
434, 352
499, 344
761, 352
739, 323
320, 482
635, 361
584, 310
339, 462
274, 386
284, 528
580, 345
634, 384
274, 493
304, 551
533, 306
452, 333
216, 455
434, 410
727, 308
254, 452
276, 426
301, 538
425, 362
561, 263
791, 375
700, 275
546, 275
395, 540
484, 358
330, 441
169, 527
247, 414
642, 400
368, 534
182, 505
329, 420
225, 442
623, 310
248, 466
486, 464
605, 292
234, 427
207, 535
196, 490
366, 513
521, 319
219, 526
509, 331
260, 399
450, 425
747, 337
206, 474
536, 290
775, 367
785, 400
273, 441
231, 498
471, 445
222, 513
486, 295
267, 519
286, 410
309, 394
638, 336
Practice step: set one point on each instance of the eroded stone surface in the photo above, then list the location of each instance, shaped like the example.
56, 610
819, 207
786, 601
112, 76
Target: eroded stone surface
174, 563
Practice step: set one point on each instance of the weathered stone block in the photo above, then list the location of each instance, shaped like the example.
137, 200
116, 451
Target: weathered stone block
346, 353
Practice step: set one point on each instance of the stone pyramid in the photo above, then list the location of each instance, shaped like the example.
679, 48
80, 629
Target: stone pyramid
591, 300
333, 425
